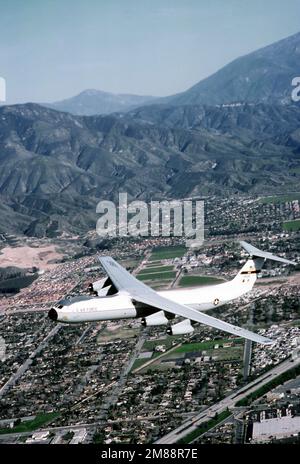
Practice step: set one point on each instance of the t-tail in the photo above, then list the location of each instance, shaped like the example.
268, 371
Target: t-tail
248, 274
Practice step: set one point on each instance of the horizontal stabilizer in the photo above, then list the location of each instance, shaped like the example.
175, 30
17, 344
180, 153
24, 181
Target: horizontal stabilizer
255, 252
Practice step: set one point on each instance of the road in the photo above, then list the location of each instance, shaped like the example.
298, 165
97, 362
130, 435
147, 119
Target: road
247, 358
228, 402
23, 368
114, 388
117, 386
157, 358
142, 263
175, 280
248, 348
92, 425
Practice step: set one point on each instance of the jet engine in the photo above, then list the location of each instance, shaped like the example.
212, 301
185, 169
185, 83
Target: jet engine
155, 319
183, 327
102, 287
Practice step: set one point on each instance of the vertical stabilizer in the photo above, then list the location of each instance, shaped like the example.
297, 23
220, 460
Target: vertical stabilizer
247, 276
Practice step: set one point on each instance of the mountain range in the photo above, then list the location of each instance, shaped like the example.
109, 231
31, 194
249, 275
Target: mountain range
264, 75
55, 166
93, 101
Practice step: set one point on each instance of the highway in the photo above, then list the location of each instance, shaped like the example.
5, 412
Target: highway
247, 358
228, 402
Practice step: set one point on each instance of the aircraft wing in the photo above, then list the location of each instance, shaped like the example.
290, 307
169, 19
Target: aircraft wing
253, 251
139, 292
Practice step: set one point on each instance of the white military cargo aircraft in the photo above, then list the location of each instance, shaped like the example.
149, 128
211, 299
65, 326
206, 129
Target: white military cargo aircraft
120, 296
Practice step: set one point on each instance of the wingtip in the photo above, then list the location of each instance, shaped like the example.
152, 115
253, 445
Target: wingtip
253, 251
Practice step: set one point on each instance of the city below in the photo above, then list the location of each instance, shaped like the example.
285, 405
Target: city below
118, 382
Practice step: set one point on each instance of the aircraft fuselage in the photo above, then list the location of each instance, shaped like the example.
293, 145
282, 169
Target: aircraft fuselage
121, 306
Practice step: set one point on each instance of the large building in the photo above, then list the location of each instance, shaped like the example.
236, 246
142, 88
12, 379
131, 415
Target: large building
278, 428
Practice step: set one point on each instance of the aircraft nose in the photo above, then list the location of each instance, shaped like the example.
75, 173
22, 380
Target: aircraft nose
53, 314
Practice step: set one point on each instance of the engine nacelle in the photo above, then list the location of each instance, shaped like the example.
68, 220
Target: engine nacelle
155, 319
182, 328
104, 291
99, 285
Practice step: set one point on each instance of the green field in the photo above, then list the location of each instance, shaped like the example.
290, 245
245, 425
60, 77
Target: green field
138, 363
233, 353
203, 346
149, 270
31, 425
150, 345
157, 276
130, 262
280, 198
154, 264
292, 226
167, 253
194, 280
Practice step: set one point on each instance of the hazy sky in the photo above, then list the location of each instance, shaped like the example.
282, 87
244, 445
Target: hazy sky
53, 49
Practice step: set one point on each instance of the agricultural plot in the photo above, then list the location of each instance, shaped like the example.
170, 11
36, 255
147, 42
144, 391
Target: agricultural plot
292, 226
194, 280
167, 341
225, 350
167, 253
149, 270
170, 275
33, 424
276, 199
208, 345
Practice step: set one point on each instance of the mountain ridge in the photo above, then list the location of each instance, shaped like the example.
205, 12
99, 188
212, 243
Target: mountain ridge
92, 101
55, 167
264, 75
